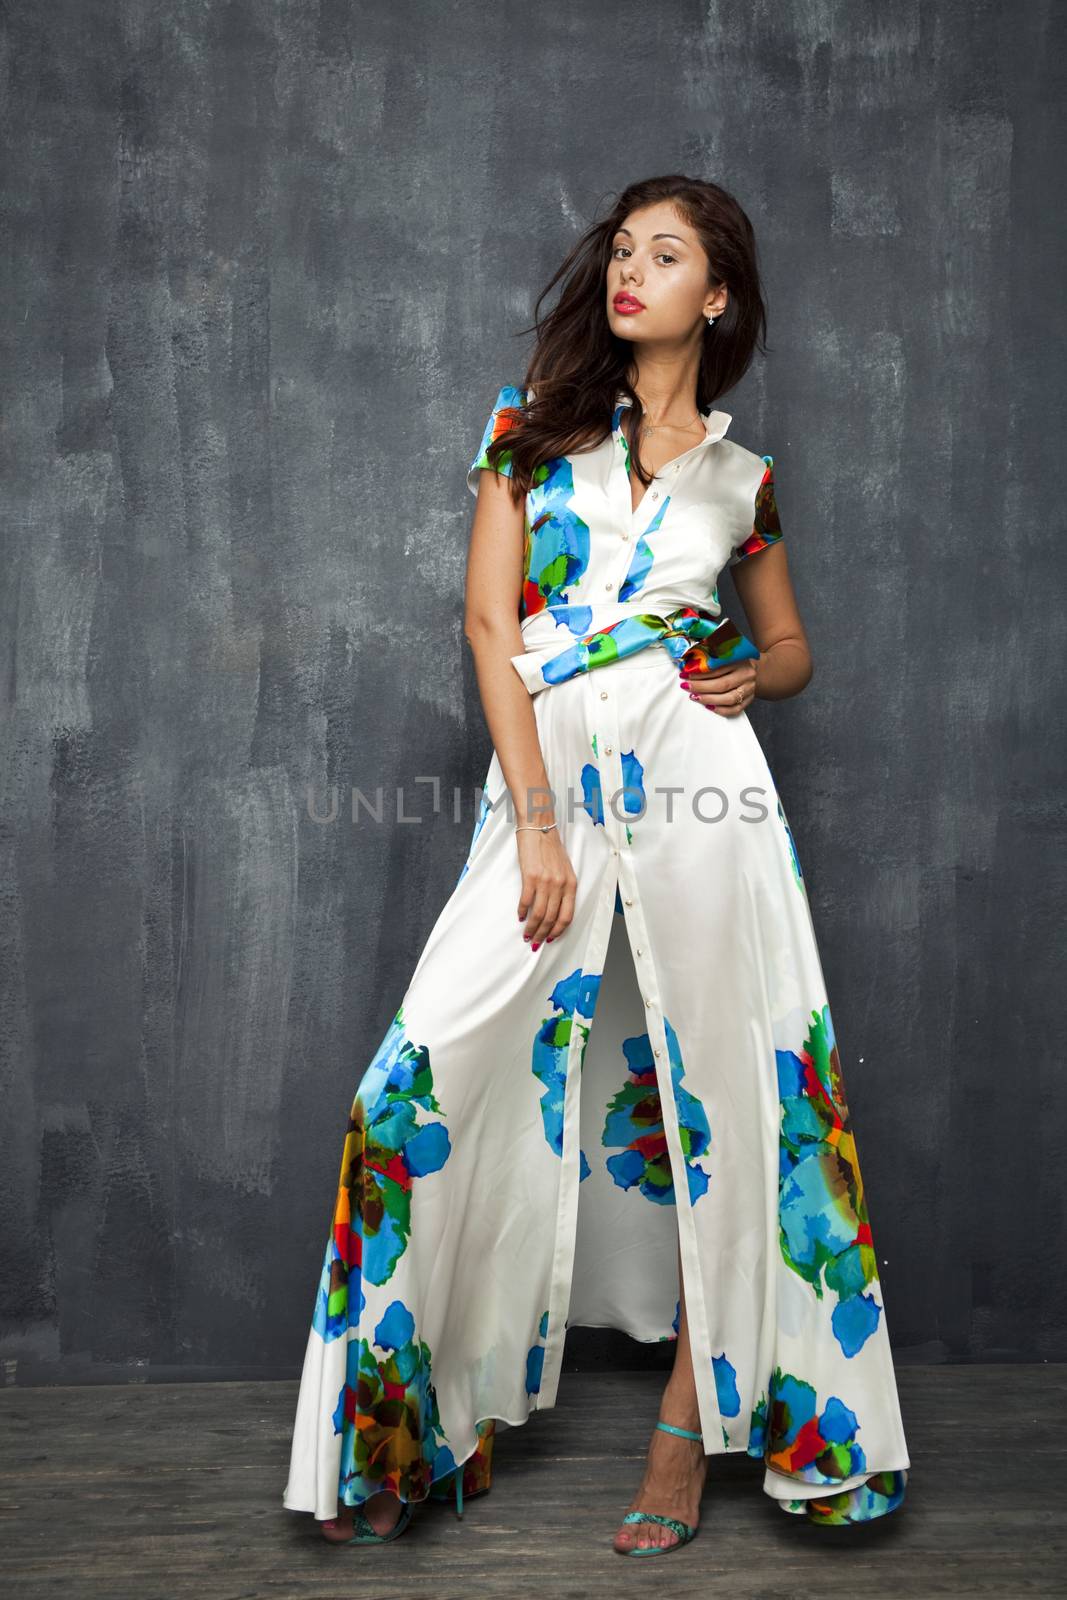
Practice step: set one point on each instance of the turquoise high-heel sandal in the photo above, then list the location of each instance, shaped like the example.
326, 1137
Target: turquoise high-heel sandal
476, 1470
676, 1525
363, 1531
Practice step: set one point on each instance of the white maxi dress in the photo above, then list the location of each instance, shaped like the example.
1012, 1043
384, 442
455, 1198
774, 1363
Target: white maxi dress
538, 1132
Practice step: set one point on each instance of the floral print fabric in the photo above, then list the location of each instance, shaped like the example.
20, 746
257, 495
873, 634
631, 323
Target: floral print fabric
539, 1134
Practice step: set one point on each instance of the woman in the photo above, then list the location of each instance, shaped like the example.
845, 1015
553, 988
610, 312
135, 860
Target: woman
685, 1169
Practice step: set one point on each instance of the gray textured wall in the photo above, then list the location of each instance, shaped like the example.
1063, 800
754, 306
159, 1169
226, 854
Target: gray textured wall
263, 269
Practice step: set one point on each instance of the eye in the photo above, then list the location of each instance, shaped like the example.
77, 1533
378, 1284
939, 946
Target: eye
660, 254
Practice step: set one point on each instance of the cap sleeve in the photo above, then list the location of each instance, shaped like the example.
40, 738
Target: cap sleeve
766, 528
502, 417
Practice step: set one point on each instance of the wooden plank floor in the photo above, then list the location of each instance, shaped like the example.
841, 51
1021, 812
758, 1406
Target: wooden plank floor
166, 1491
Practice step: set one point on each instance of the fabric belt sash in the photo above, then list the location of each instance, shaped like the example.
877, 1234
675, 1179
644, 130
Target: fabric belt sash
695, 638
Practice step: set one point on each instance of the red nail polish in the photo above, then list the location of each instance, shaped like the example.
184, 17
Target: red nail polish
536, 946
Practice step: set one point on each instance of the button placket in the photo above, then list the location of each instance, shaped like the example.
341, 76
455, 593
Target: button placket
711, 1423
639, 520
609, 764
652, 494
644, 969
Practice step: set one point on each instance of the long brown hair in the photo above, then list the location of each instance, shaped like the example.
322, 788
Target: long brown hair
578, 367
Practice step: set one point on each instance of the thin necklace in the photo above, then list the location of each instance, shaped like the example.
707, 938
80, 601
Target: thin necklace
658, 427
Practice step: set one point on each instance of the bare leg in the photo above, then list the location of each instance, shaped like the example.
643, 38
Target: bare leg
674, 1472
381, 1510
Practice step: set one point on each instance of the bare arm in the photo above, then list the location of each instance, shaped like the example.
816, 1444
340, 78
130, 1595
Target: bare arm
785, 667
766, 592
491, 625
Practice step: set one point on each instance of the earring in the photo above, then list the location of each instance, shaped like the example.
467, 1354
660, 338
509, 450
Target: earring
711, 322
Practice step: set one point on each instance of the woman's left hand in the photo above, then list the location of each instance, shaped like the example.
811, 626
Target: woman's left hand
727, 690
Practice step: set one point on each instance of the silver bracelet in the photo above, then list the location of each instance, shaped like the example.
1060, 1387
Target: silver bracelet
547, 828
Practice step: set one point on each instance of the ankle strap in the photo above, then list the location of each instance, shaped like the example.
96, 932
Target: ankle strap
685, 1433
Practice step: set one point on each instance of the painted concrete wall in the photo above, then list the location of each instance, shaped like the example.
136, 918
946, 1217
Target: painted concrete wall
264, 269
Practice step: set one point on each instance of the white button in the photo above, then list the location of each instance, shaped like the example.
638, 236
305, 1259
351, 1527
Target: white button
603, 694
638, 952
607, 749
656, 495
614, 852
609, 586
648, 1002
677, 466
627, 902
655, 1052
626, 535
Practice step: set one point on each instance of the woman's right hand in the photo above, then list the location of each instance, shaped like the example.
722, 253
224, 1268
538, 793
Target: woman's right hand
549, 885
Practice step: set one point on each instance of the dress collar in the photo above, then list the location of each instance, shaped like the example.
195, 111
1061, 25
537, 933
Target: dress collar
715, 422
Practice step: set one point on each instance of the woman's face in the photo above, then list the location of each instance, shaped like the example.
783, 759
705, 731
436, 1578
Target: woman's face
657, 279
